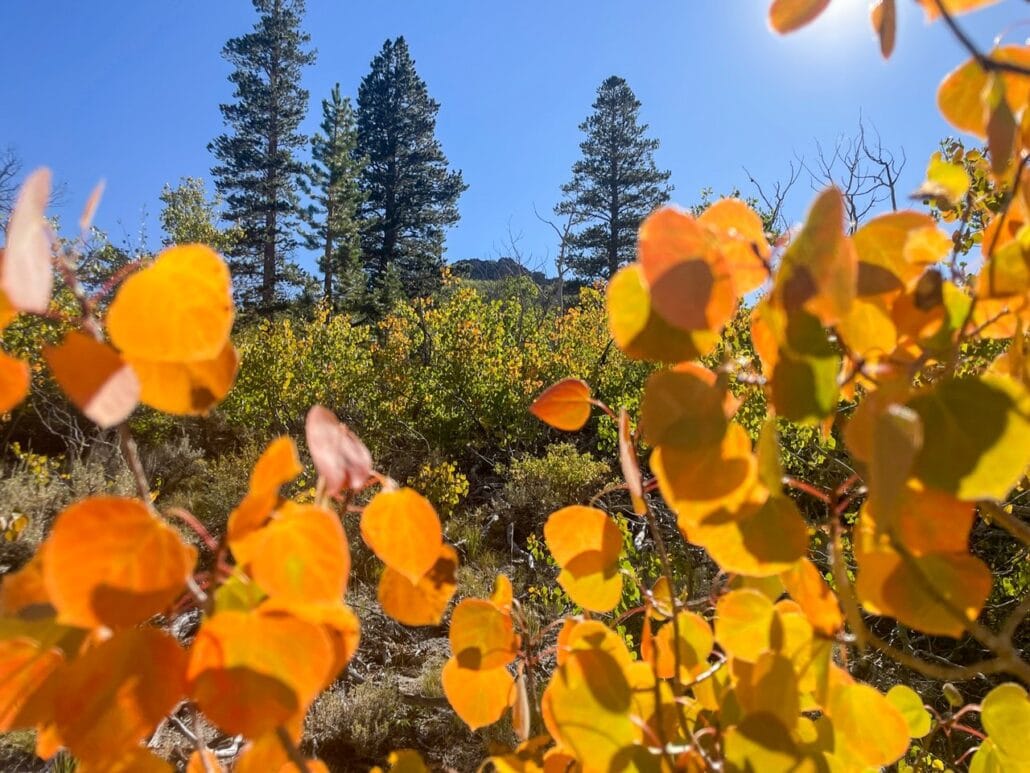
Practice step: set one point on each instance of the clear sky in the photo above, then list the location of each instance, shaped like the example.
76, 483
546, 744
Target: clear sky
128, 90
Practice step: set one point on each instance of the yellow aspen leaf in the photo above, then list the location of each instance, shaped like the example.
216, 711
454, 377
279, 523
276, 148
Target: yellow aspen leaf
868, 330
251, 672
807, 587
850, 709
767, 455
662, 603
302, 556
761, 539
689, 277
186, 388
1007, 272
14, 381
745, 624
819, 270
936, 593
742, 240
640, 332
404, 761
110, 561
564, 405
770, 586
884, 17
769, 686
113, 696
341, 459
424, 602
946, 182
698, 481
587, 709
976, 436
789, 15
176, 310
586, 544
907, 701
502, 594
685, 406
277, 466
527, 757
403, 530
694, 642
482, 636
26, 273
479, 696
961, 93
95, 378
1005, 714
762, 742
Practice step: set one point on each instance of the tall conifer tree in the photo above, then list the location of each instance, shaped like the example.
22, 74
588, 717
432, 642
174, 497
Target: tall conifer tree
332, 184
410, 195
257, 171
615, 184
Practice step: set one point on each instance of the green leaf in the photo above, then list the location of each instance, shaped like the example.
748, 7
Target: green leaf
907, 701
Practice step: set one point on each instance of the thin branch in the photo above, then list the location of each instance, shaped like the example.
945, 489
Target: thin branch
986, 62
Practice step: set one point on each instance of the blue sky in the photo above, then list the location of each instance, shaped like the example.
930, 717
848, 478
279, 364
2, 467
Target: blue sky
128, 90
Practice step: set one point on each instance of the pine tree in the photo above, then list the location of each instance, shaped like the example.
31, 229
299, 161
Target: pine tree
257, 171
332, 184
615, 184
410, 195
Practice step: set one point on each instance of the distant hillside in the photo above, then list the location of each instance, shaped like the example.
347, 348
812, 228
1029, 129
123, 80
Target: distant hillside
502, 268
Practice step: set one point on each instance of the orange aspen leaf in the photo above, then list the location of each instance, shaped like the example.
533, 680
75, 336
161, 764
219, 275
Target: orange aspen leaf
277, 466
884, 18
95, 378
14, 381
818, 602
403, 530
790, 15
109, 561
564, 405
424, 602
742, 240
478, 696
251, 672
114, 695
187, 388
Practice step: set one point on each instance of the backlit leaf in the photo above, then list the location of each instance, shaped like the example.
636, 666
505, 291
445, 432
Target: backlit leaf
186, 388
851, 709
250, 672
14, 381
907, 701
402, 528
807, 587
742, 241
109, 561
819, 270
1005, 713
976, 436
564, 405
884, 18
302, 556
761, 743
683, 406
689, 277
424, 602
789, 15
277, 466
26, 274
176, 310
960, 96
638, 329
113, 696
586, 544
25, 667
95, 378
479, 696
482, 636
694, 642
744, 623
339, 456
